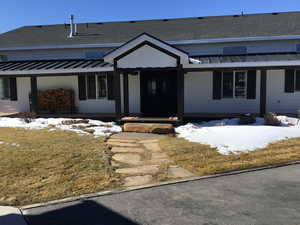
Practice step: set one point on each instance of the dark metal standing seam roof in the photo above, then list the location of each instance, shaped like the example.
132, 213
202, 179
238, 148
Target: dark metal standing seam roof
52, 65
247, 58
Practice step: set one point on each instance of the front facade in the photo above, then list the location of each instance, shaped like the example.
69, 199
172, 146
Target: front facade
194, 67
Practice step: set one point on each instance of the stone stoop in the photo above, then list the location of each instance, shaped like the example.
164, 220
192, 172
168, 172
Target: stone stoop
139, 159
155, 128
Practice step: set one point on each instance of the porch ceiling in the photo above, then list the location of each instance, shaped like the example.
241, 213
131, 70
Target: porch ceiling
53, 66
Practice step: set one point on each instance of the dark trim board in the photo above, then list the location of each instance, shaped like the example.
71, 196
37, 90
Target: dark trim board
126, 93
263, 92
137, 69
151, 36
34, 95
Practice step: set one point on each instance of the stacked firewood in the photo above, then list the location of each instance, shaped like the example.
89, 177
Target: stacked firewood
56, 100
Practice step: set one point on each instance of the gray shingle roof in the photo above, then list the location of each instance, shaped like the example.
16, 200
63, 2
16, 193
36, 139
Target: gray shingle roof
253, 25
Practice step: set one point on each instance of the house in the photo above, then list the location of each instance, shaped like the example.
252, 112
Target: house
190, 67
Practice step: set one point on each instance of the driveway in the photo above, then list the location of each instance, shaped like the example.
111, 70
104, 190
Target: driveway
267, 197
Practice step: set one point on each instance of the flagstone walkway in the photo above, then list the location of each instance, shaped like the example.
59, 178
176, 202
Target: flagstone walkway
138, 158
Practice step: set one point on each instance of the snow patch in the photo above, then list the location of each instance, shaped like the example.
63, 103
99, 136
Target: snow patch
229, 137
101, 128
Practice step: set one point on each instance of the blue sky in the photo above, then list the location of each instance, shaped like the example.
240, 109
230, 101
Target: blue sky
16, 13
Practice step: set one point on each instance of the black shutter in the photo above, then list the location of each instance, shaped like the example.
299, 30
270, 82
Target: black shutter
110, 86
289, 82
13, 89
91, 86
217, 84
251, 84
81, 87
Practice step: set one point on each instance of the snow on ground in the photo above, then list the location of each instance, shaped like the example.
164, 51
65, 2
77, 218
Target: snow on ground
230, 137
101, 128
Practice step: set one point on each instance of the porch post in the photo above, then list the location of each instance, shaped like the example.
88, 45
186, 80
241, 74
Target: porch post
126, 94
180, 93
263, 92
117, 95
34, 95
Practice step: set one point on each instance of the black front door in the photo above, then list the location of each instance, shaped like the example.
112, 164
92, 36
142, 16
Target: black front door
158, 93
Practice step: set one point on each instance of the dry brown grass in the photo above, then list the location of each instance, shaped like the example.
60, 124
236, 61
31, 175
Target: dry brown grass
204, 160
47, 165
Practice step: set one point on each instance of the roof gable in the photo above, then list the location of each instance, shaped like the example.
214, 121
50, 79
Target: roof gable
156, 47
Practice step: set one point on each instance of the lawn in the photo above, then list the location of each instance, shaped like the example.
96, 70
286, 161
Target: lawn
42, 165
204, 160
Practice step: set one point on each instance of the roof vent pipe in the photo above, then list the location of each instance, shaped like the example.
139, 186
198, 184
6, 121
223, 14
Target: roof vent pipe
72, 27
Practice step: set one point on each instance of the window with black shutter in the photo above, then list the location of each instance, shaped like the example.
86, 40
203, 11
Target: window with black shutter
292, 80
93, 86
4, 88
234, 84
297, 80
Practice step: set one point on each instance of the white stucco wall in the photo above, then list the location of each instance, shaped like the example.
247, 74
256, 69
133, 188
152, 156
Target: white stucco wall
22, 105
87, 106
198, 92
277, 100
147, 56
198, 95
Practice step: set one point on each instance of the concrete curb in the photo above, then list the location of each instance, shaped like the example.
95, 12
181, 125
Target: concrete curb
11, 216
118, 191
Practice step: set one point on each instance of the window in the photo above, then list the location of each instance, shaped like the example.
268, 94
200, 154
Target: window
102, 84
297, 47
235, 50
4, 88
96, 86
297, 80
234, 84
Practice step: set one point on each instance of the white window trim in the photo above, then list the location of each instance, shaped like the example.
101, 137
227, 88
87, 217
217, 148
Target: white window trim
96, 84
233, 96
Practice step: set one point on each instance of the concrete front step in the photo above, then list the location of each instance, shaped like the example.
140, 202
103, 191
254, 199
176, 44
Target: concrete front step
127, 150
122, 144
155, 128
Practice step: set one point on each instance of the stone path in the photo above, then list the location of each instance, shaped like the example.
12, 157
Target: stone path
138, 158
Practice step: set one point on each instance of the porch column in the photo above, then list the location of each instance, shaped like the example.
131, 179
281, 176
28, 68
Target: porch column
34, 95
126, 94
117, 95
180, 93
263, 92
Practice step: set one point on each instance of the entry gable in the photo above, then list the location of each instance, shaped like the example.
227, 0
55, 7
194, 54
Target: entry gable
146, 51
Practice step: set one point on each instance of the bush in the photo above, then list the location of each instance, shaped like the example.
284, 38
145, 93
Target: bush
271, 119
247, 119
